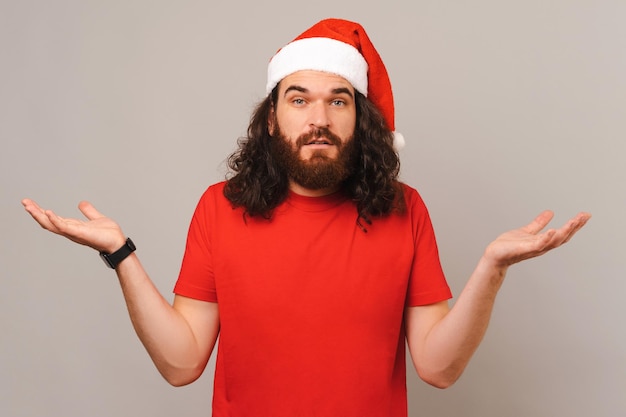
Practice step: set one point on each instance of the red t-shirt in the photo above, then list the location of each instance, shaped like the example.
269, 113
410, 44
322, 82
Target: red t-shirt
311, 307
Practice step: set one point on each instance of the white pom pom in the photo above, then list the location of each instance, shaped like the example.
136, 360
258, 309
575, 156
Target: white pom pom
398, 141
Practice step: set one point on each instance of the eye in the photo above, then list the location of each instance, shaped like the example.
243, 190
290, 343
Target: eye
298, 101
338, 102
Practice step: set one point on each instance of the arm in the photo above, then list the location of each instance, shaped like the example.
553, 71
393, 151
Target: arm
180, 337
442, 340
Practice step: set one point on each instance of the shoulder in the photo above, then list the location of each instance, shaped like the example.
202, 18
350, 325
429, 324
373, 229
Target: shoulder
213, 191
411, 196
213, 197
217, 188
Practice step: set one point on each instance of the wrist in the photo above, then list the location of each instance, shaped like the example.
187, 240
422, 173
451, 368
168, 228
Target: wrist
115, 244
113, 259
496, 271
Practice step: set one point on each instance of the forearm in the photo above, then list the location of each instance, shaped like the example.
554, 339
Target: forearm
446, 349
443, 340
164, 331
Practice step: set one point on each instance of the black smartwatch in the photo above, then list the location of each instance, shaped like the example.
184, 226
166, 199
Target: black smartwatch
112, 260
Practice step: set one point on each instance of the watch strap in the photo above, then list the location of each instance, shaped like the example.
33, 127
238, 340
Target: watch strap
112, 260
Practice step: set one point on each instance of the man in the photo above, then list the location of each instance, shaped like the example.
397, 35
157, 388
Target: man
312, 262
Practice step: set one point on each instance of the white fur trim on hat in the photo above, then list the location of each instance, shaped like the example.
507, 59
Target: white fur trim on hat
398, 141
319, 54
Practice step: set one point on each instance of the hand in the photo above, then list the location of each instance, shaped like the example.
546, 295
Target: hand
98, 232
527, 242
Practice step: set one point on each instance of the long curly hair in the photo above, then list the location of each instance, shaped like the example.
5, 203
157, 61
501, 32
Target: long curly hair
258, 184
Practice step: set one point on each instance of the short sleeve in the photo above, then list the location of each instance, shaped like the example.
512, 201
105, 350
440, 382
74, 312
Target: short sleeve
196, 278
427, 282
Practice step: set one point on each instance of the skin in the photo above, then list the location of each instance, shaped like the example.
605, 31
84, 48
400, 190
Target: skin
442, 340
311, 99
180, 337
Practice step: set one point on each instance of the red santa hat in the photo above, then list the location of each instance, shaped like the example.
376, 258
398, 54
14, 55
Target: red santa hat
343, 48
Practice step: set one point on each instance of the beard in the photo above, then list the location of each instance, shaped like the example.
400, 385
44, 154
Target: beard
319, 171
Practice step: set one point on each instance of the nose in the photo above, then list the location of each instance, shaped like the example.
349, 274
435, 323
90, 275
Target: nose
319, 115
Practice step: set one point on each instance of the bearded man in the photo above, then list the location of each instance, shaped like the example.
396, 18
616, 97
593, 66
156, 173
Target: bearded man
312, 262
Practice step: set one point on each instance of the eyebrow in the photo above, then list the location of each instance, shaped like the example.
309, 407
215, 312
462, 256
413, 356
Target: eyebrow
340, 90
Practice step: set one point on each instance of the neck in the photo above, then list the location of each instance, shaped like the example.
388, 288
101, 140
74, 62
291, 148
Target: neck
307, 192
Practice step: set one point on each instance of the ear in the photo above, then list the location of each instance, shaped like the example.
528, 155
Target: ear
271, 120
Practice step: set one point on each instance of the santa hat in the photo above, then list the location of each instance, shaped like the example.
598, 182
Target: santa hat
343, 48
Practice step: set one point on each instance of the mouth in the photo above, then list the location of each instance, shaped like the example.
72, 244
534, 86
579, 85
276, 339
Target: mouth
319, 141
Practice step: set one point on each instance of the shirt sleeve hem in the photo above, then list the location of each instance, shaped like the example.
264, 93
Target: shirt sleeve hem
431, 297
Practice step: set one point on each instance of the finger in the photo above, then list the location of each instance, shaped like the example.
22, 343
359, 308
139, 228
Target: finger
576, 224
28, 202
565, 233
539, 222
546, 241
89, 210
30, 206
59, 224
37, 213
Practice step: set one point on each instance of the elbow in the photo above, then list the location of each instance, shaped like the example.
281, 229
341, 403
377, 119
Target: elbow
177, 377
176, 381
441, 379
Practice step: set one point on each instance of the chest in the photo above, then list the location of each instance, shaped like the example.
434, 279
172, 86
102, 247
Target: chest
320, 262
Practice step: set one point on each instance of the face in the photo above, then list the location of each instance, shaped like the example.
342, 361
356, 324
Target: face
314, 120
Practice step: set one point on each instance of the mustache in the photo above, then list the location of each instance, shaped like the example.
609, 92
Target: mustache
316, 134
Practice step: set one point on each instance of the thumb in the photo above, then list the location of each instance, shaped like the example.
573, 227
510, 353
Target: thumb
539, 222
89, 210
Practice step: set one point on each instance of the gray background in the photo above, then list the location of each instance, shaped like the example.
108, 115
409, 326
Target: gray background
508, 108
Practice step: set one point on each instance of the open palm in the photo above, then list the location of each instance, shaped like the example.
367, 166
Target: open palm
528, 241
98, 231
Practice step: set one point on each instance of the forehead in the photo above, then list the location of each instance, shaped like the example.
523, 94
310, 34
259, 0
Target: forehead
315, 81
